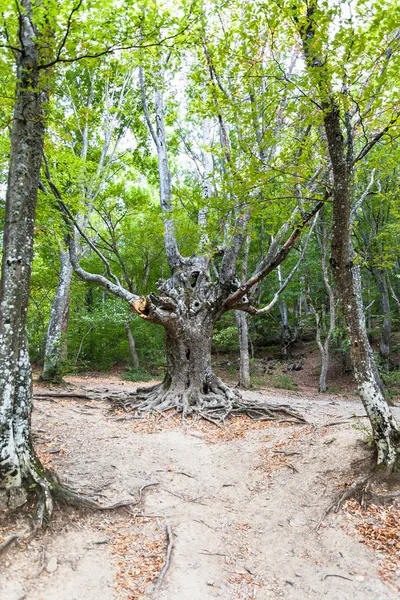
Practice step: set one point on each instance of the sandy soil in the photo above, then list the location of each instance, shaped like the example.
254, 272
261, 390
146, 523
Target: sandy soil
241, 503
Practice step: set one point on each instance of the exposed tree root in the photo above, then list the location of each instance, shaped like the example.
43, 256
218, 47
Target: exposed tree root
167, 562
364, 490
48, 489
68, 495
217, 403
43, 394
12, 538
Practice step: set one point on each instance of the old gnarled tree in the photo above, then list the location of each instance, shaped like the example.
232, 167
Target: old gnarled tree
197, 293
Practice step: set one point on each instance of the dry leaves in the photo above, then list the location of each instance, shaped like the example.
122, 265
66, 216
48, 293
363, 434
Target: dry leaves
236, 428
138, 551
274, 460
379, 527
46, 452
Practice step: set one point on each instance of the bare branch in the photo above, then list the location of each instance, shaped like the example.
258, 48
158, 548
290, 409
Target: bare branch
146, 108
114, 48
361, 199
292, 273
70, 219
376, 139
67, 29
274, 262
116, 290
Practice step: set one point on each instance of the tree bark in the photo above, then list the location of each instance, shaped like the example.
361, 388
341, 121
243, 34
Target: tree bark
386, 332
56, 350
132, 346
244, 363
186, 308
385, 428
19, 466
324, 346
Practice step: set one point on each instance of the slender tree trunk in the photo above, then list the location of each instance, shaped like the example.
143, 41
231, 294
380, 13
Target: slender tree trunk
243, 330
384, 343
132, 346
324, 346
286, 332
385, 428
19, 466
244, 363
56, 350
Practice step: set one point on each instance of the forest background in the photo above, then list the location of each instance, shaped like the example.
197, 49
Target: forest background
231, 66
199, 150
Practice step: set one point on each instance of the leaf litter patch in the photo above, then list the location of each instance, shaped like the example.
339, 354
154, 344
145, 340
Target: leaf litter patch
379, 528
236, 428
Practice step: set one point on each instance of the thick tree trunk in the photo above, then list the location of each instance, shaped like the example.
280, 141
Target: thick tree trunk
244, 364
190, 301
19, 467
56, 350
186, 309
132, 345
189, 385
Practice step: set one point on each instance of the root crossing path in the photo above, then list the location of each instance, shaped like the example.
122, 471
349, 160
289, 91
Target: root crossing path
231, 513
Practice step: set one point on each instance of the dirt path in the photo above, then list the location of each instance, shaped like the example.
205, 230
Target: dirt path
242, 504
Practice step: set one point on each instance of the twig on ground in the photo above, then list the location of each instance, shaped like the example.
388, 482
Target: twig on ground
43, 563
208, 553
141, 492
204, 523
167, 562
127, 418
184, 498
336, 575
292, 467
335, 423
174, 494
183, 473
286, 452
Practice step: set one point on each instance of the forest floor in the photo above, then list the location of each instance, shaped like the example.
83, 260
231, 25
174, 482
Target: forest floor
240, 506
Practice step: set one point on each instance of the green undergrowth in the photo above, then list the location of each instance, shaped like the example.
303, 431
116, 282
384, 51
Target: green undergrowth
139, 374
